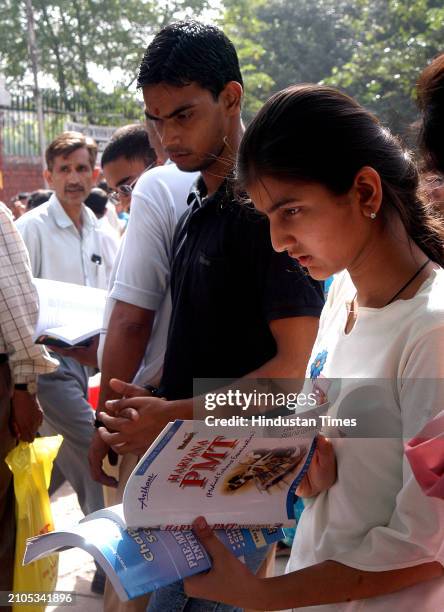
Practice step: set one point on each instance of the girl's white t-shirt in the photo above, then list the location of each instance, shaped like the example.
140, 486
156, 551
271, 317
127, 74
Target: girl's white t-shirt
389, 375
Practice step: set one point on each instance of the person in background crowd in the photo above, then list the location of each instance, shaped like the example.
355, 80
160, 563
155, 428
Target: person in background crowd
110, 211
110, 240
426, 450
38, 197
236, 309
65, 244
18, 204
117, 156
341, 197
21, 361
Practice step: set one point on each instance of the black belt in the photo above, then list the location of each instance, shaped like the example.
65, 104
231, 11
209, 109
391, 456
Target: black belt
3, 358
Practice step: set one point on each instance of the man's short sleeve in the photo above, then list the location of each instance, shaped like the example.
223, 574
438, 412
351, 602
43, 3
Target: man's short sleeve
290, 291
143, 274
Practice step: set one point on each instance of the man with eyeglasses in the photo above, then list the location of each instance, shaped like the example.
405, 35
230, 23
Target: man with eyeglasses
127, 155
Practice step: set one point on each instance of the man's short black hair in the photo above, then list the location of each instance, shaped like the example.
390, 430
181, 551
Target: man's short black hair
190, 52
97, 201
38, 197
130, 142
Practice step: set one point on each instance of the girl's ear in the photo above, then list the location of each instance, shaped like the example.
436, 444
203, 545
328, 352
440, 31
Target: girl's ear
368, 191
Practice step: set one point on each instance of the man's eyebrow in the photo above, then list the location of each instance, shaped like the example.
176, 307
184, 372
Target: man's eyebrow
175, 112
280, 203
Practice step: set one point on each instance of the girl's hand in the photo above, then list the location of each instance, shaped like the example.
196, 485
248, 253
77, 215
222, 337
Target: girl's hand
229, 581
322, 471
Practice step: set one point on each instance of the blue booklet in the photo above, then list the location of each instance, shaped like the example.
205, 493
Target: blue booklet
139, 561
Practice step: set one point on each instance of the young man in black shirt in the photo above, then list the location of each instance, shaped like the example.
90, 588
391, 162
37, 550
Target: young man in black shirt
240, 309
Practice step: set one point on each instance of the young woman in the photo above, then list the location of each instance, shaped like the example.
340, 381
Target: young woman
340, 195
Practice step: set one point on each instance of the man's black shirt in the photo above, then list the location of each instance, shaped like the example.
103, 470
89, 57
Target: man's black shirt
227, 284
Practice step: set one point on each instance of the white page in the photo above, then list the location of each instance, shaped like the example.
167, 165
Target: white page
68, 305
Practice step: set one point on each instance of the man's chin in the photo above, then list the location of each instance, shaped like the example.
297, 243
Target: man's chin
74, 198
188, 165
192, 164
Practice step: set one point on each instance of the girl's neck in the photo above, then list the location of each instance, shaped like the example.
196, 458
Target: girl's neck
386, 265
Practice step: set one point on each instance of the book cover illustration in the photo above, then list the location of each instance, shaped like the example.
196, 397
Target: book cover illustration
232, 480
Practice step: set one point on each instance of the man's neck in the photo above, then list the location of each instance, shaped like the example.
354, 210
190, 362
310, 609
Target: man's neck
214, 175
74, 212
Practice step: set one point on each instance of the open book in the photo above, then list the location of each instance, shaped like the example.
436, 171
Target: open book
242, 483
69, 314
233, 479
138, 561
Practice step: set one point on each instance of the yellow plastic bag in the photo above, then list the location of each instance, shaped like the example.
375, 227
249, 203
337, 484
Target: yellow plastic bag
31, 465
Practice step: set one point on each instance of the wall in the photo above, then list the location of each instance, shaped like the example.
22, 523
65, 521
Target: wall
20, 174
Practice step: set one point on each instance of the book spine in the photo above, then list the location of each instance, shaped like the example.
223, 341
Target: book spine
224, 526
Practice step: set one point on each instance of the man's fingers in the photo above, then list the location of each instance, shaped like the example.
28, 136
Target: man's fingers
130, 413
126, 389
104, 479
112, 439
116, 406
97, 473
121, 424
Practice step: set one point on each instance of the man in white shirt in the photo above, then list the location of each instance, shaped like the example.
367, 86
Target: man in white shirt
133, 338
137, 315
64, 244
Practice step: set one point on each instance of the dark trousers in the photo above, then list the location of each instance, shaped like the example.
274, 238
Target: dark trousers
7, 499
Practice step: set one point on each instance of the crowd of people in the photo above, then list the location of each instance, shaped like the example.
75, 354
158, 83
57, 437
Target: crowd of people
215, 243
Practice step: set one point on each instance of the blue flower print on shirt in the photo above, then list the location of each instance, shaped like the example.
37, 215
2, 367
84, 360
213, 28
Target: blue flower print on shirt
318, 364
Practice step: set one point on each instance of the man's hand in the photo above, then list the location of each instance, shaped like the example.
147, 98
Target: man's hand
26, 415
125, 389
97, 452
321, 473
85, 355
137, 422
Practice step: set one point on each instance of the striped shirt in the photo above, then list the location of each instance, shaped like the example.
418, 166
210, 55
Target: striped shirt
19, 307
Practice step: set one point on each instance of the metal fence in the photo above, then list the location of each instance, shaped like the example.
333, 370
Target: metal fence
19, 127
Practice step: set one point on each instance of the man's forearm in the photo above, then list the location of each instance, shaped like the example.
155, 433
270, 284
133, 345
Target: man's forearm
128, 334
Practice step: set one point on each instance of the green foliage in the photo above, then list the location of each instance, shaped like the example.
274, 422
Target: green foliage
374, 49
76, 36
394, 41
304, 40
241, 22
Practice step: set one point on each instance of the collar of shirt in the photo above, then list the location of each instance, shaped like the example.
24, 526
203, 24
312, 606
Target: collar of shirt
63, 220
198, 197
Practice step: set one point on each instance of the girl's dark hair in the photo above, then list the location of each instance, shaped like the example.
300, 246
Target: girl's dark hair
430, 91
318, 134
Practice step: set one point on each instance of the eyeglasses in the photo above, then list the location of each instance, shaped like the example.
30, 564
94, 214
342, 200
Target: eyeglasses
127, 189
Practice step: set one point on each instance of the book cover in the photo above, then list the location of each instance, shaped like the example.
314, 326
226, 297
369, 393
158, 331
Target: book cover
139, 561
233, 479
